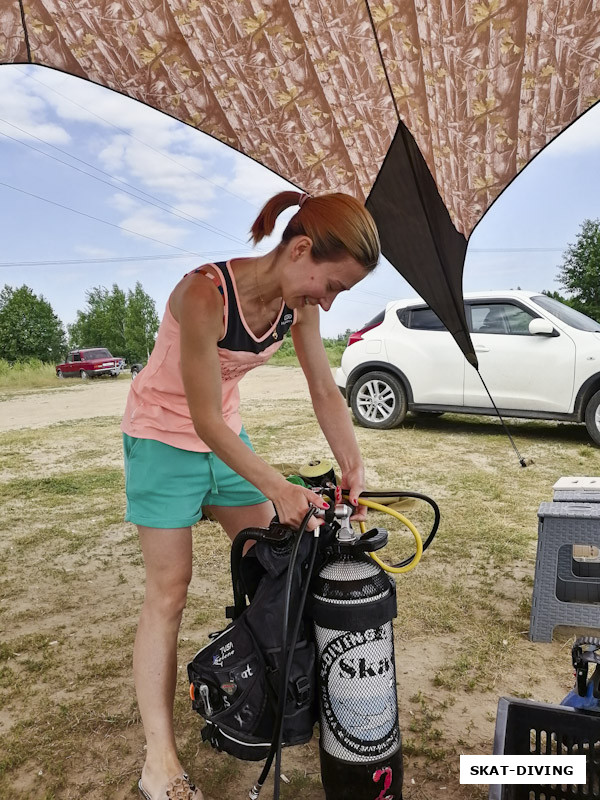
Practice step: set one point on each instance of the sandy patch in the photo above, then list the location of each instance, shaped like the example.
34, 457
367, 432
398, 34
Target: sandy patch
102, 398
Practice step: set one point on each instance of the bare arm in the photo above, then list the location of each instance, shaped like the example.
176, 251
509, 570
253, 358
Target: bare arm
198, 307
328, 403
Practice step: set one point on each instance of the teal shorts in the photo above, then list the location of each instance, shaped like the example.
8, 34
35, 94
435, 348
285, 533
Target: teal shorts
166, 487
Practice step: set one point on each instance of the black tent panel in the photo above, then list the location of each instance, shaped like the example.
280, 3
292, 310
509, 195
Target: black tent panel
417, 234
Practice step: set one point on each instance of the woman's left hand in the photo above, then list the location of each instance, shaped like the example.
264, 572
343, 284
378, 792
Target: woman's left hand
353, 481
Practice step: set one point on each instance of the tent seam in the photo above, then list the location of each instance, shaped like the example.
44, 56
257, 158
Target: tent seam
385, 72
26, 35
403, 130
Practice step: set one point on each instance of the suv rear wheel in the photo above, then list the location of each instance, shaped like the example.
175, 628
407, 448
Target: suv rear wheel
592, 417
378, 400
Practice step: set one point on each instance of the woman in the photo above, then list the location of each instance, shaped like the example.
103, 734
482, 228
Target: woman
185, 447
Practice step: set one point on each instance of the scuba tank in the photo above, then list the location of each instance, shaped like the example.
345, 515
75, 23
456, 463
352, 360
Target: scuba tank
353, 602
325, 581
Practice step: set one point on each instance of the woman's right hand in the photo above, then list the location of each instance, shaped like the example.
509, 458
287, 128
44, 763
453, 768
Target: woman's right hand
292, 503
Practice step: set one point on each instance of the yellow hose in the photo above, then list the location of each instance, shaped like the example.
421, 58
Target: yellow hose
419, 543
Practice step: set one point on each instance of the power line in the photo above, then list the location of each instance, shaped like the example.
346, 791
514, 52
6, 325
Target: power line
515, 250
97, 219
375, 294
70, 155
176, 212
110, 259
135, 138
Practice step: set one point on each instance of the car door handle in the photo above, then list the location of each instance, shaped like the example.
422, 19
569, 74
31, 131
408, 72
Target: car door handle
481, 348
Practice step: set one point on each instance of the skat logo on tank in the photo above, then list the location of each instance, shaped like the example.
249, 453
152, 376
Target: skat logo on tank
365, 722
357, 693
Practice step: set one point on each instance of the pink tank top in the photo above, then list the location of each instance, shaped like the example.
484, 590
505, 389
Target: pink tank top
157, 407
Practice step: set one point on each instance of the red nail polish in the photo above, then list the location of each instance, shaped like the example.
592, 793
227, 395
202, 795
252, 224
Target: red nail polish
325, 505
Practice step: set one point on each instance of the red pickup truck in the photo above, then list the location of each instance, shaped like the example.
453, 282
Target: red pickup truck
89, 363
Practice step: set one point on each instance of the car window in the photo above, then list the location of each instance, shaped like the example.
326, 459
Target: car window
377, 320
503, 318
567, 314
76, 357
424, 319
89, 355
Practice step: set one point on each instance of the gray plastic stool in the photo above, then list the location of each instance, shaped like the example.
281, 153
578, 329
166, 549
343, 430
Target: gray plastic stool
564, 594
574, 488
576, 581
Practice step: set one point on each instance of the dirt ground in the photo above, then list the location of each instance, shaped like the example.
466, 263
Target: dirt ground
74, 399
71, 585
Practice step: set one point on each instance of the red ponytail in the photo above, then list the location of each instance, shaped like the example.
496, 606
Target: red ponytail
264, 224
337, 224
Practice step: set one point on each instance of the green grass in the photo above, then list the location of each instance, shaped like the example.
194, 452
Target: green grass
286, 355
32, 374
83, 483
29, 374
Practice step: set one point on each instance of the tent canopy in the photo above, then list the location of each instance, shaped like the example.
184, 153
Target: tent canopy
423, 110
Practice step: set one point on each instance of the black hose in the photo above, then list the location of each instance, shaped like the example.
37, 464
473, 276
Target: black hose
288, 667
237, 548
278, 727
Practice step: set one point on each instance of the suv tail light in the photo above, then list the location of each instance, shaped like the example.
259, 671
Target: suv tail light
357, 336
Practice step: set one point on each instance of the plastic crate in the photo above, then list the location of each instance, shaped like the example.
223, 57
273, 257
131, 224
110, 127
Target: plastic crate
524, 727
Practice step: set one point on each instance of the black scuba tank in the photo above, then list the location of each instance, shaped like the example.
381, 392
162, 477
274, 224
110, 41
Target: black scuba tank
353, 603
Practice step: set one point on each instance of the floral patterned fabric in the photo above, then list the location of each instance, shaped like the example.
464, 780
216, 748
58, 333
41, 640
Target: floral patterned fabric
314, 89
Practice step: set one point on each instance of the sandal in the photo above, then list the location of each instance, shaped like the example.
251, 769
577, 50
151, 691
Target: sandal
178, 788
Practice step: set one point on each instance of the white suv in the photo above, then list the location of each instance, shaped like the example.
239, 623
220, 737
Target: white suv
539, 358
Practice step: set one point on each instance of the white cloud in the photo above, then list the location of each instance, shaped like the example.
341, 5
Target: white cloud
191, 172
112, 156
195, 168
77, 100
175, 180
123, 203
198, 143
184, 177
26, 111
150, 222
254, 182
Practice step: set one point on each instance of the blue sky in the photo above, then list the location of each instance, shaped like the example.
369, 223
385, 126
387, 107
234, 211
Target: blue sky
191, 199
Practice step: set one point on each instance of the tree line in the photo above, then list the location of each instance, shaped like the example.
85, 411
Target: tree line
580, 271
124, 322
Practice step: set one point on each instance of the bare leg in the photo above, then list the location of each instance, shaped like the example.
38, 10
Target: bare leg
168, 558
233, 519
